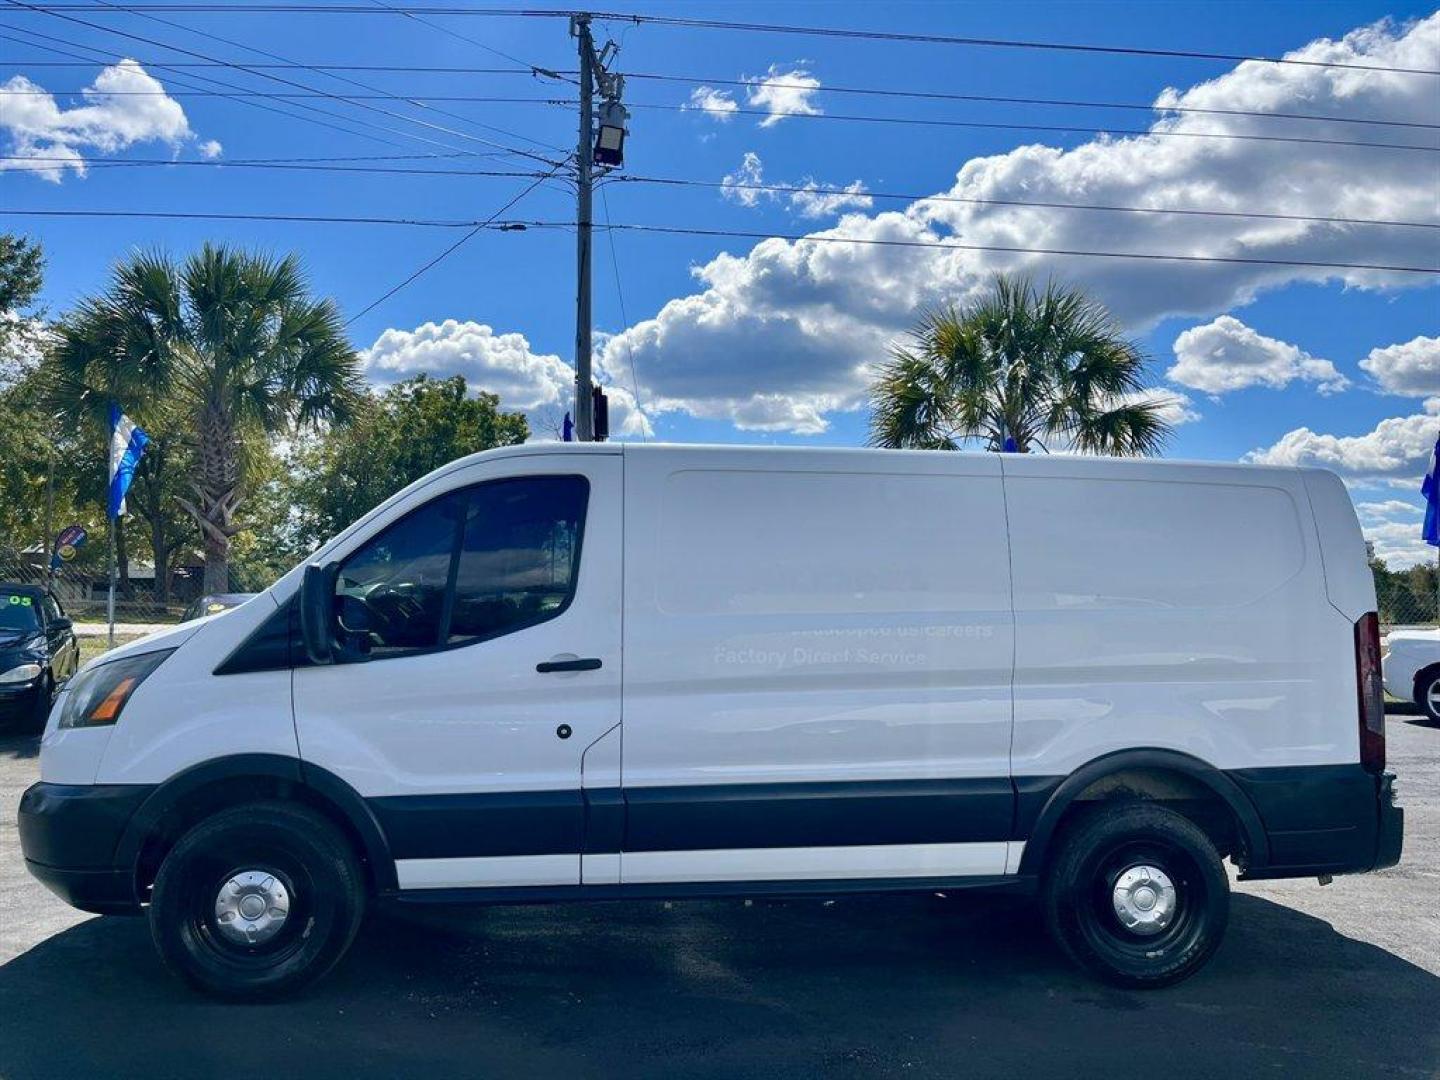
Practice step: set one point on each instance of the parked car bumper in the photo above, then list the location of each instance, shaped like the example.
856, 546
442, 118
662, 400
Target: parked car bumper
69, 835
18, 701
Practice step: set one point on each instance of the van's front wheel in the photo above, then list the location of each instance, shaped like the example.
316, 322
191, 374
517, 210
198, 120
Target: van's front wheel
1137, 894
257, 901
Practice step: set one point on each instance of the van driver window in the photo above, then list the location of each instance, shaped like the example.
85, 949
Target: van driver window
519, 555
394, 587
471, 565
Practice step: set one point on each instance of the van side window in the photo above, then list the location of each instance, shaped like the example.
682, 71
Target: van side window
471, 565
519, 556
395, 586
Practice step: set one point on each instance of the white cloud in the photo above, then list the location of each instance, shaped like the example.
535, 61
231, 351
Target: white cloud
210, 149
739, 186
807, 319
1411, 368
502, 364
1393, 527
123, 107
1387, 510
783, 93
816, 201
1175, 407
1399, 544
1396, 452
720, 104
1225, 355
809, 200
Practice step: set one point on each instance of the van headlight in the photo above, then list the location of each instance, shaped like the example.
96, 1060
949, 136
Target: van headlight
22, 674
96, 697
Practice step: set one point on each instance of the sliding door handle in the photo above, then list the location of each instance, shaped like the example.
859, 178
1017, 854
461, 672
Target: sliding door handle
588, 663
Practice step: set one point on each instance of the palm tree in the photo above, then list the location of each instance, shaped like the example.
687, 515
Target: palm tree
1021, 364
224, 348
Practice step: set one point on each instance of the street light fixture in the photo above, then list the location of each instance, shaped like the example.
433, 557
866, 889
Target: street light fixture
610, 141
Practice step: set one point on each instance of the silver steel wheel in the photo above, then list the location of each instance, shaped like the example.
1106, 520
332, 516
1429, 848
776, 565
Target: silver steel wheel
1432, 697
1144, 900
251, 907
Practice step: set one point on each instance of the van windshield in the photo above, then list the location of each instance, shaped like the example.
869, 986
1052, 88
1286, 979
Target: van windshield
17, 612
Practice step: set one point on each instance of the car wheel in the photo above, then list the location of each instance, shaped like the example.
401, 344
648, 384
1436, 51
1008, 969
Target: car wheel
257, 901
1136, 894
1427, 693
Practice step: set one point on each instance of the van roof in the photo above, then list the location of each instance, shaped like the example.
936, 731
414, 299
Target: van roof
1076, 465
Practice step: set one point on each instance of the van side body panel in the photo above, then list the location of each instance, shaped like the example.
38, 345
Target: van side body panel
1173, 607
817, 650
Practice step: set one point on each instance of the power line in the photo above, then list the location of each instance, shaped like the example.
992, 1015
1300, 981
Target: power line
24, 5
338, 78
624, 317
304, 219
889, 92
534, 69
679, 230
111, 57
48, 163
1063, 128
915, 197
802, 115
242, 8
994, 99
449, 250
1003, 249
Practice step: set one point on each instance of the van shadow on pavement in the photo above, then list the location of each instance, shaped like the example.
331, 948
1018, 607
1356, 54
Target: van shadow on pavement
914, 986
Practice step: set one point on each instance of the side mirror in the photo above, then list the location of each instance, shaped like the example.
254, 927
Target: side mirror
317, 612
62, 623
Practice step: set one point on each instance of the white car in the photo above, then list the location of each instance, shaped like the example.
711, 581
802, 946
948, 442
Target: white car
590, 672
1412, 668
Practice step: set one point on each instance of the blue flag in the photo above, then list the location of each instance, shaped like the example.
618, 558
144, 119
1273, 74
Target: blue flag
127, 444
1431, 490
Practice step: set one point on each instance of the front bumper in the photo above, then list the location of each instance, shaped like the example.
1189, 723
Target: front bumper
70, 833
17, 700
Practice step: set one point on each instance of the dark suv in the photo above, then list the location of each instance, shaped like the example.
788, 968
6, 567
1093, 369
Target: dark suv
38, 651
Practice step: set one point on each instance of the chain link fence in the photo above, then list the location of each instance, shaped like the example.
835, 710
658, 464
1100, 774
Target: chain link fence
83, 587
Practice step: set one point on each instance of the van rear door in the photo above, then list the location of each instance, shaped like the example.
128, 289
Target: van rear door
493, 609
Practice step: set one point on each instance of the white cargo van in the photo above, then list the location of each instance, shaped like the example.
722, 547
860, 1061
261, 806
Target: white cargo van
559, 672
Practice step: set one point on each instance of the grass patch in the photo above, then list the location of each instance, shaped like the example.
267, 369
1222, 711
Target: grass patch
91, 647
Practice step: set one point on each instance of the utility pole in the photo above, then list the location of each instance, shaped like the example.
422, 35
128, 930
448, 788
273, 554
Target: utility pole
605, 148
584, 414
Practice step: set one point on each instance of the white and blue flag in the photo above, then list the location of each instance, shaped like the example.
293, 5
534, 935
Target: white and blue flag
1431, 490
127, 444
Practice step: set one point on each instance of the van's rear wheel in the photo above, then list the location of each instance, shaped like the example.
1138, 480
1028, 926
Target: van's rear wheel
257, 901
1137, 894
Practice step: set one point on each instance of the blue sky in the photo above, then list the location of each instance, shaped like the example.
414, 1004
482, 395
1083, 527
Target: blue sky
734, 342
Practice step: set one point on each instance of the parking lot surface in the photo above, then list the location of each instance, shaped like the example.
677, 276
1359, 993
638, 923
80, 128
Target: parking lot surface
1336, 981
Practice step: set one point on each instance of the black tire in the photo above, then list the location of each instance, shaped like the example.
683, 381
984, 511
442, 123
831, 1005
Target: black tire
1427, 693
1095, 853
323, 889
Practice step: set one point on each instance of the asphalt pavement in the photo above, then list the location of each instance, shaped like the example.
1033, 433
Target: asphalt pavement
1315, 982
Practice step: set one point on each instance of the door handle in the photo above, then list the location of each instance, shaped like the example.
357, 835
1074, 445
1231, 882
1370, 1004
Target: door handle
589, 663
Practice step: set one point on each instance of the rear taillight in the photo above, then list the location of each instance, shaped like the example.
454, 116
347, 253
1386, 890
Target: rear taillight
1371, 691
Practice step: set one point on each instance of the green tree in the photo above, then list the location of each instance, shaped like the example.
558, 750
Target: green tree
224, 351
26, 449
1051, 365
412, 428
